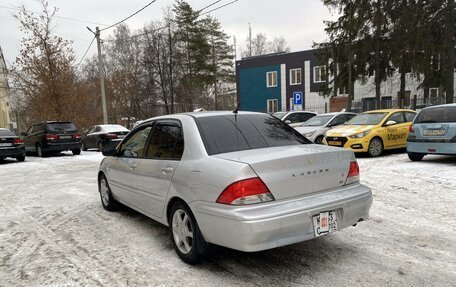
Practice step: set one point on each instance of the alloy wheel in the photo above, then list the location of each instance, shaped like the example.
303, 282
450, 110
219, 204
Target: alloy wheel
182, 231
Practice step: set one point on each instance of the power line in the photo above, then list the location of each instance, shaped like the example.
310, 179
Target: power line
220, 7
85, 54
210, 5
125, 19
60, 17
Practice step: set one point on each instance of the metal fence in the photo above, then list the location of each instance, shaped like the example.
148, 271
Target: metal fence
370, 104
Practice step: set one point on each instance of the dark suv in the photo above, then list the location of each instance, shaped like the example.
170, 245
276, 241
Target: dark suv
50, 137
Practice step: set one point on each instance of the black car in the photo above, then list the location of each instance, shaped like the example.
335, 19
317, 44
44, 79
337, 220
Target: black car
11, 146
100, 136
52, 137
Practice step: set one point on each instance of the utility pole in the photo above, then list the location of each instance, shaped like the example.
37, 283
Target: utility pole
250, 40
101, 74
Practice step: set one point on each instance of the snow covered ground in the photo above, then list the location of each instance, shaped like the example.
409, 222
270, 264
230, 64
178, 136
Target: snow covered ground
54, 232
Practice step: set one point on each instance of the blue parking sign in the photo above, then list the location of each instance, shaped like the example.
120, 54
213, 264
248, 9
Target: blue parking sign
297, 98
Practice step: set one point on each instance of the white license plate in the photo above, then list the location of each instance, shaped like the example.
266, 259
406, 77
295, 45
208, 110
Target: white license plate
324, 223
434, 132
337, 143
6, 144
64, 137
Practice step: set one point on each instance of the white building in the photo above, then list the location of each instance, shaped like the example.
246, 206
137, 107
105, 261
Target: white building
4, 93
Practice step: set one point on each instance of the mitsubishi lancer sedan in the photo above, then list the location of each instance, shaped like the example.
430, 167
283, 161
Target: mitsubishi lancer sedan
246, 181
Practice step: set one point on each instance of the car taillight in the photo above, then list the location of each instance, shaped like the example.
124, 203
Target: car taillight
18, 141
51, 137
111, 136
244, 192
353, 173
76, 136
411, 128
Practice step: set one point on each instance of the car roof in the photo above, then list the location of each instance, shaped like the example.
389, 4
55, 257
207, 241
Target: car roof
336, 114
389, 111
441, 106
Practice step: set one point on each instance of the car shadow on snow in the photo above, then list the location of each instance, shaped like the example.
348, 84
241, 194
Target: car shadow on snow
8, 161
386, 153
275, 266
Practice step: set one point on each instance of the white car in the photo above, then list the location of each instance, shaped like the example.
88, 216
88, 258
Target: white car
246, 181
294, 118
315, 128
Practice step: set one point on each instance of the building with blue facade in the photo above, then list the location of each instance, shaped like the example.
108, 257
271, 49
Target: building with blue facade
267, 83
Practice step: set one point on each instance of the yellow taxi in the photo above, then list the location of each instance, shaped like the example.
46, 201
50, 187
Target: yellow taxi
373, 131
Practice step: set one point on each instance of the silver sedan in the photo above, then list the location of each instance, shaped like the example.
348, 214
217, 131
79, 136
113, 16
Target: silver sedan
246, 181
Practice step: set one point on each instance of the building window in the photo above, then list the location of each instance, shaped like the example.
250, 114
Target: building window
319, 74
434, 92
295, 77
273, 106
271, 79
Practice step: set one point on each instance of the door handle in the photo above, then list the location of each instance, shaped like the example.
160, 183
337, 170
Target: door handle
133, 165
167, 169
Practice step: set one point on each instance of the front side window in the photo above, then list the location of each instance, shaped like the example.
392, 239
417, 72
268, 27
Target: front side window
271, 79
134, 146
295, 77
397, 117
319, 74
339, 120
166, 142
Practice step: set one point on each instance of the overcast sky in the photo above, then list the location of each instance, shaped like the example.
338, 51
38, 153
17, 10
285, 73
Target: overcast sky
300, 22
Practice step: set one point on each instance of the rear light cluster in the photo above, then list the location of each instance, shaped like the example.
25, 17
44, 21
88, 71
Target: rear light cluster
353, 173
111, 136
18, 141
76, 136
245, 192
412, 128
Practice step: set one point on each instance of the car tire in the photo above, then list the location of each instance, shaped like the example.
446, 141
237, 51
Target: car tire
20, 158
319, 140
39, 151
415, 156
76, 151
84, 148
186, 236
375, 147
107, 200
100, 146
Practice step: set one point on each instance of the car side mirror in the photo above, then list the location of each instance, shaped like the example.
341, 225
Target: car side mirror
22, 134
109, 151
390, 123
288, 122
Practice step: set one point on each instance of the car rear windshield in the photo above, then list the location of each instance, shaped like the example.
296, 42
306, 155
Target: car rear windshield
229, 133
370, 119
58, 127
437, 115
6, 133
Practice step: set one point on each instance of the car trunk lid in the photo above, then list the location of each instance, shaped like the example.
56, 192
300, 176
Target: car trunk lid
291, 171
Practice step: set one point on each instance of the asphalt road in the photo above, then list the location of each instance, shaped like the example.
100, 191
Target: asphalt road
54, 232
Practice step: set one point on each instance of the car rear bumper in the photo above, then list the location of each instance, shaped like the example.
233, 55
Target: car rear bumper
56, 147
430, 147
269, 225
12, 152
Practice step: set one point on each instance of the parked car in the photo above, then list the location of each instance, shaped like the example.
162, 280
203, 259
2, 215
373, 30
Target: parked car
433, 132
100, 136
373, 131
11, 146
294, 118
52, 137
315, 128
246, 181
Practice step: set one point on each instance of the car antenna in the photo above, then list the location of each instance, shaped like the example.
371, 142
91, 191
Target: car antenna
237, 109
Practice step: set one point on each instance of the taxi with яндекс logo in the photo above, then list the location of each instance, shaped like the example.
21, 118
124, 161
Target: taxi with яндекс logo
373, 131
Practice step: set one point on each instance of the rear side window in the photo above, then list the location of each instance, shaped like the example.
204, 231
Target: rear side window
58, 127
229, 133
6, 133
437, 115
